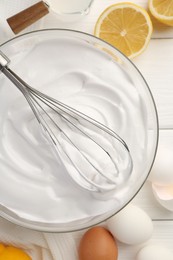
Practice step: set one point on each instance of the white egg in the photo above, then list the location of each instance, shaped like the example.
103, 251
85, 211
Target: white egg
164, 195
154, 252
131, 225
162, 171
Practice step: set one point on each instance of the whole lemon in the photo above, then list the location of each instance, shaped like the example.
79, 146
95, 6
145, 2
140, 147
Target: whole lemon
12, 253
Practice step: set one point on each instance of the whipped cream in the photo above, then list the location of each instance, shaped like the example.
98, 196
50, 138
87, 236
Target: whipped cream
35, 186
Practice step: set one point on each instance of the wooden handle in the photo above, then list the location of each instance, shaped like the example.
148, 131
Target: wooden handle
20, 21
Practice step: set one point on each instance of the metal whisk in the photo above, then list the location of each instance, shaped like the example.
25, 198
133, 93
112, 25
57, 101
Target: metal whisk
95, 157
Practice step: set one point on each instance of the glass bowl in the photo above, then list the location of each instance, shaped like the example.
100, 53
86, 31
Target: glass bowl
95, 78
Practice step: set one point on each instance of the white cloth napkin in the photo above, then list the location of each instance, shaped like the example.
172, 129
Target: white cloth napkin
39, 245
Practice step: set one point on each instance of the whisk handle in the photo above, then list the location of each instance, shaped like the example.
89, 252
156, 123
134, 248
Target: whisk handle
17, 81
25, 18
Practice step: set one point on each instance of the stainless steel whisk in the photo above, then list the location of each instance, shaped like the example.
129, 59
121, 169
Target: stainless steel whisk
95, 157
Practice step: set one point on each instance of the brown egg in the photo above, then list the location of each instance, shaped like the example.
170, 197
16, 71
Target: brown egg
98, 244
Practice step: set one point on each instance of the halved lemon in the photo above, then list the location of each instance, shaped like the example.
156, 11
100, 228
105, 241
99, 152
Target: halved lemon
126, 26
162, 10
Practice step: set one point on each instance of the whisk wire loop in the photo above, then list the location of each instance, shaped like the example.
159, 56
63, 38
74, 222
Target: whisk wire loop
71, 131
55, 139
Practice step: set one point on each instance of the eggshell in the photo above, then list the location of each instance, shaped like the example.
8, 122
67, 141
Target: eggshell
154, 252
98, 244
162, 171
164, 195
131, 225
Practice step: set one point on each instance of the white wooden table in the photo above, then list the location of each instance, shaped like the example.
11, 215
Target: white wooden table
156, 65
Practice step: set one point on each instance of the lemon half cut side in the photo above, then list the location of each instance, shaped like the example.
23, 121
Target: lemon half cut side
126, 26
162, 10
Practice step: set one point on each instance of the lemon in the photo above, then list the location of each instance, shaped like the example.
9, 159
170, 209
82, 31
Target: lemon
12, 253
2, 247
126, 26
162, 10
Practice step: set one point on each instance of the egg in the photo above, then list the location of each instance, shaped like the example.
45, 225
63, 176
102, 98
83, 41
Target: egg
161, 175
164, 195
98, 244
131, 225
162, 170
154, 252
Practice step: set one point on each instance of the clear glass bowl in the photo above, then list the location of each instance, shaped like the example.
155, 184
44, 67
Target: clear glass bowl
94, 77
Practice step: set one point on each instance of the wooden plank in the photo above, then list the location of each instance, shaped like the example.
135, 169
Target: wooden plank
162, 236
145, 198
156, 65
